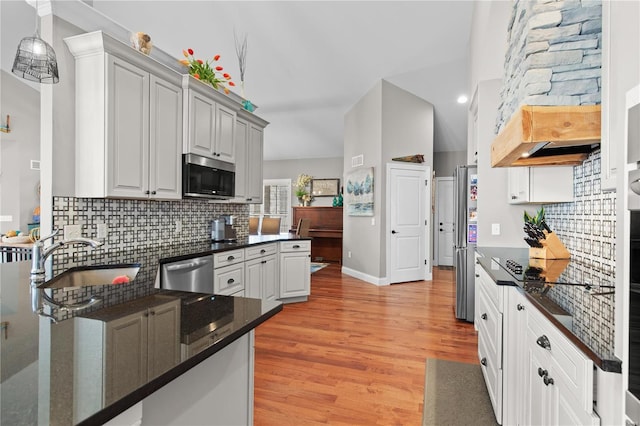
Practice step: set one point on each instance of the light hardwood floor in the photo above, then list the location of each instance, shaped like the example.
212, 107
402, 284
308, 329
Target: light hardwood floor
355, 353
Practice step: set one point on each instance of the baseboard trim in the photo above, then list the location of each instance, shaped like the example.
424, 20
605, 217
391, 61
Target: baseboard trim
365, 277
374, 280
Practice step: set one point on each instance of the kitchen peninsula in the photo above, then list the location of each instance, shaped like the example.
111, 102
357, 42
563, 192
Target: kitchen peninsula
67, 372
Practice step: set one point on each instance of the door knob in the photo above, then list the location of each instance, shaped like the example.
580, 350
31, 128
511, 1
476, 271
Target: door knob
483, 316
441, 229
394, 231
520, 307
440, 223
483, 361
547, 380
542, 373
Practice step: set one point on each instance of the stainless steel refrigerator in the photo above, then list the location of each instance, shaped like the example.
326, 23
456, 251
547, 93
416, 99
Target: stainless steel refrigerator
465, 238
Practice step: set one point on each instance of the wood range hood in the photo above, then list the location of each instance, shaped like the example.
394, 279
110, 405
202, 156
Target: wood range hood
547, 136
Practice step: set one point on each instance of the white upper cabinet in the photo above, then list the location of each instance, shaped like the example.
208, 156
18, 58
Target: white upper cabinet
249, 157
128, 121
549, 184
210, 121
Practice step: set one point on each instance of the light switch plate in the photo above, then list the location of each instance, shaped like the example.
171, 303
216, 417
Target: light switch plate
495, 229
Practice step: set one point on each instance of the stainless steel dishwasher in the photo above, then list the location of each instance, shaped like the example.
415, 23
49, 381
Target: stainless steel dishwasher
194, 275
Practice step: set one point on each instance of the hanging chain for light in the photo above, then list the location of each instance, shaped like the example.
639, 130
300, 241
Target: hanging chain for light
35, 59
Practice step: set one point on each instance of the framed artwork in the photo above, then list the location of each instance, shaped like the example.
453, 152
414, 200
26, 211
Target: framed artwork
359, 192
325, 187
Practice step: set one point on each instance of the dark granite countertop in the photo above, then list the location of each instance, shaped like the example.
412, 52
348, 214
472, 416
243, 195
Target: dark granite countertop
37, 356
584, 293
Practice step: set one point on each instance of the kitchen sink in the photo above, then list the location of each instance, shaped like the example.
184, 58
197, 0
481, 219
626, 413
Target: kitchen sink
82, 276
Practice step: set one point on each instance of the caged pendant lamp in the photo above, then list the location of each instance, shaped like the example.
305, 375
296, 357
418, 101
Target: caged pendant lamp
35, 59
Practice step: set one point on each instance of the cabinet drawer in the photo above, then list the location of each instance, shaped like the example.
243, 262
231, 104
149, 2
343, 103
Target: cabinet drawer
298, 245
260, 250
226, 258
489, 322
492, 378
565, 360
228, 280
494, 292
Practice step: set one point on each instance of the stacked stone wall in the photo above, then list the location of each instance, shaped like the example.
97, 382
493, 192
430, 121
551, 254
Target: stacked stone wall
553, 55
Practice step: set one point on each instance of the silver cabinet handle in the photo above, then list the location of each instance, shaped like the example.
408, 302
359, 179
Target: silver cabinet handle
543, 342
635, 186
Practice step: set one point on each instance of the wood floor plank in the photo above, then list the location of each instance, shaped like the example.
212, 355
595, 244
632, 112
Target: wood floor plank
355, 353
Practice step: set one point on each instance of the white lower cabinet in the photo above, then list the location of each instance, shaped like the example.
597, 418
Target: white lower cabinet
261, 272
295, 270
534, 374
123, 348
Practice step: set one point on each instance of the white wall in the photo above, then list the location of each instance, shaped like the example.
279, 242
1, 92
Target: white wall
487, 49
319, 168
18, 183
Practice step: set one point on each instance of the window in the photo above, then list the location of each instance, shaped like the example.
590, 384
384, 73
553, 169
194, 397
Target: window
276, 202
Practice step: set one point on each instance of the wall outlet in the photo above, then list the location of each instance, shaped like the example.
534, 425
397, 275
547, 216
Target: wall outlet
495, 229
349, 254
178, 226
101, 232
72, 231
373, 221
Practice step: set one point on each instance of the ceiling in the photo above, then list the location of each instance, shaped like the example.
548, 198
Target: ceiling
309, 62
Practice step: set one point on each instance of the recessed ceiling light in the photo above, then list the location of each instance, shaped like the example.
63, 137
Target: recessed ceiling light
462, 99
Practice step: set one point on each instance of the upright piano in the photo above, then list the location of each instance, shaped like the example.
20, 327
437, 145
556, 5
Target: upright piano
325, 231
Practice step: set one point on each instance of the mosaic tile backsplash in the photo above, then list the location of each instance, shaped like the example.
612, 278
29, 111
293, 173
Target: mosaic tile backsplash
139, 231
587, 227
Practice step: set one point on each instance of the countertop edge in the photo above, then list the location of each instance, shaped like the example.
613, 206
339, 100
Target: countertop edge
231, 246
140, 394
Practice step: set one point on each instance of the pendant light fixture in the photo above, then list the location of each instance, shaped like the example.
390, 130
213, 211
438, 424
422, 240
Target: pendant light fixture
35, 59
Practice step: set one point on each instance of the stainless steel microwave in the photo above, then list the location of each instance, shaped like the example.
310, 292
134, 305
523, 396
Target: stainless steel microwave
204, 177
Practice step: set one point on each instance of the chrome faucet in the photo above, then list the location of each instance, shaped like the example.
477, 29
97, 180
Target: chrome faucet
39, 254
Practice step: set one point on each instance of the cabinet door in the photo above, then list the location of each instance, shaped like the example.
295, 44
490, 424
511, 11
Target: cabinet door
126, 356
127, 129
549, 184
538, 399
518, 184
513, 360
164, 338
253, 278
165, 147
225, 134
202, 115
295, 274
241, 147
255, 154
270, 277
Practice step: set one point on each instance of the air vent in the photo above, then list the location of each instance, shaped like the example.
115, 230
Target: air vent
357, 161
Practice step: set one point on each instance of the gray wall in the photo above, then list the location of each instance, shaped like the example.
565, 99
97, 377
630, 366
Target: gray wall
18, 183
444, 163
319, 168
363, 136
387, 122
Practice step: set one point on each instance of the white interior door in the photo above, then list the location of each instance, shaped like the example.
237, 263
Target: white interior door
444, 220
406, 222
